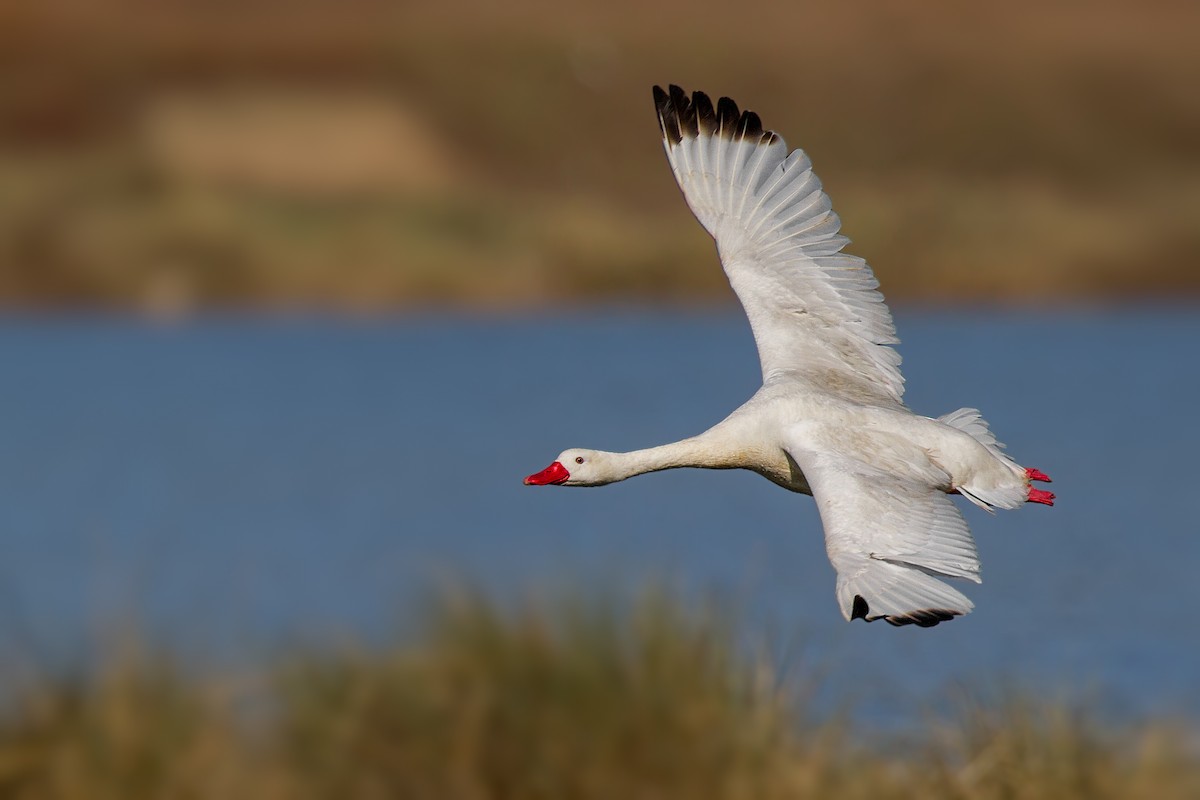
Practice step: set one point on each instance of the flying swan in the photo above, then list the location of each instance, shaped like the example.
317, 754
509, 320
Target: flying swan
829, 420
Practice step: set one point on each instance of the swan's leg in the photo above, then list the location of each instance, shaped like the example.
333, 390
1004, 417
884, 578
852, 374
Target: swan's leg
1039, 496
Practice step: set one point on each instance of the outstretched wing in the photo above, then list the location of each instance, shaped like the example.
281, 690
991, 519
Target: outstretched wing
892, 540
814, 310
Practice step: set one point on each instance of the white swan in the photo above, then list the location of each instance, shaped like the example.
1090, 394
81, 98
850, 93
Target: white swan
829, 420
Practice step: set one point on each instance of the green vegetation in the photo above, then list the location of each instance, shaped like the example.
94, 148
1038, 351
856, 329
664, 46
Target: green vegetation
566, 700
369, 155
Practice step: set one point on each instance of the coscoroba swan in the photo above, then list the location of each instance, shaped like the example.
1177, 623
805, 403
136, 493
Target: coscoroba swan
829, 420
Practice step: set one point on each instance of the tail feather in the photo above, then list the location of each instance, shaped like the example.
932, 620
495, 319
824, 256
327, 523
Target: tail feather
970, 421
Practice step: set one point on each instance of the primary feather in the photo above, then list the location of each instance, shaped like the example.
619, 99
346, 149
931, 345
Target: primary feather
814, 310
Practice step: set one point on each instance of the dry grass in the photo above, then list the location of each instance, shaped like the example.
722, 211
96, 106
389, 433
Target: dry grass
373, 155
564, 699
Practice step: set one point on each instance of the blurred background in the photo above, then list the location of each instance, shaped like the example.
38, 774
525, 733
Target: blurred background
379, 155
293, 294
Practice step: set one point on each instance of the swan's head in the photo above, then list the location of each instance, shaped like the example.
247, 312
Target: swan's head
575, 467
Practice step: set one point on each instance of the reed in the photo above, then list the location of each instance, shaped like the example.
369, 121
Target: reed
563, 698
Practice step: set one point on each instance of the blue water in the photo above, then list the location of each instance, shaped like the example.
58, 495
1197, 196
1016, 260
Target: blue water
233, 486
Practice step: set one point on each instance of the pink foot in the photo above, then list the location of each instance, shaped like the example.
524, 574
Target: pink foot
1037, 475
1039, 496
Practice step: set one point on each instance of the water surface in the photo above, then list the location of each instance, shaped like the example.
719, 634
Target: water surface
237, 485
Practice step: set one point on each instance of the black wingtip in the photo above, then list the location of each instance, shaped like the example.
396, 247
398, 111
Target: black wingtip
860, 609
750, 126
682, 116
668, 115
706, 118
727, 116
924, 618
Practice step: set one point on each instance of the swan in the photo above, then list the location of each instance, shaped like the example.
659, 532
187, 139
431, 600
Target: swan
829, 420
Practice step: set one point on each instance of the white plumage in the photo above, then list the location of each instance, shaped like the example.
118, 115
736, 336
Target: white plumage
829, 419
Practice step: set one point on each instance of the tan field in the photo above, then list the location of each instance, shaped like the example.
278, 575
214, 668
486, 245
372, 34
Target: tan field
371, 155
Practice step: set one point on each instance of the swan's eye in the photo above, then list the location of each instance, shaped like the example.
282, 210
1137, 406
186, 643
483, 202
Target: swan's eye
578, 459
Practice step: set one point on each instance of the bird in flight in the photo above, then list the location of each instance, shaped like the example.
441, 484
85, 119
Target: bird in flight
829, 420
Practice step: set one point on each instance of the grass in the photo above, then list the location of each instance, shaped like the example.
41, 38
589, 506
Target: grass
565, 699
369, 155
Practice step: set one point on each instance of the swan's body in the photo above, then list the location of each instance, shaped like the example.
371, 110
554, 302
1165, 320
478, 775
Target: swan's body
829, 420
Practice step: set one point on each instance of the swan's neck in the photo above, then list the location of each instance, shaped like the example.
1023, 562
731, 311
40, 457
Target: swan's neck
697, 451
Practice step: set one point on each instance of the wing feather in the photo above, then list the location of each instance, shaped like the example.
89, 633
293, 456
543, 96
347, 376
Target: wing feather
892, 540
815, 311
